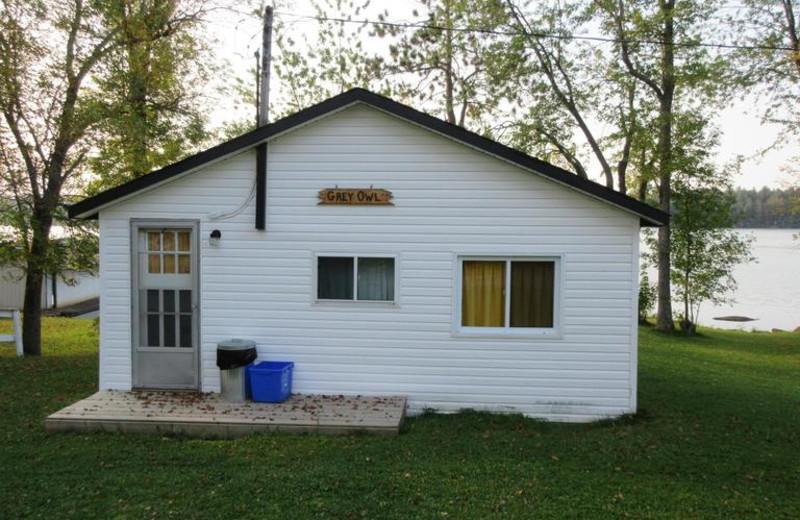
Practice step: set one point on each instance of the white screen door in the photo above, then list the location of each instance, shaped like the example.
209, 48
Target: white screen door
165, 307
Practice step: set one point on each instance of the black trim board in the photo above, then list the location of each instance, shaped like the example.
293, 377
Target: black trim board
261, 186
649, 215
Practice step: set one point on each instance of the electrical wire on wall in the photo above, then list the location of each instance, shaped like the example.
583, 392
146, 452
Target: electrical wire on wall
223, 215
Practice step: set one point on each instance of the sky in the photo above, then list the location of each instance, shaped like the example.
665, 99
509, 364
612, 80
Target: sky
239, 36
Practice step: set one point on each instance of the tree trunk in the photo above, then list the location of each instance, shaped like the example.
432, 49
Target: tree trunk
32, 315
642, 195
449, 94
665, 321
32, 306
791, 32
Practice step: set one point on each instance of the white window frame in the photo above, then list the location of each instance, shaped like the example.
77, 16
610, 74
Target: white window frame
507, 331
355, 300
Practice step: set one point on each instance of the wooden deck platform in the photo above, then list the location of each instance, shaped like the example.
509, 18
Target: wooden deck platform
210, 416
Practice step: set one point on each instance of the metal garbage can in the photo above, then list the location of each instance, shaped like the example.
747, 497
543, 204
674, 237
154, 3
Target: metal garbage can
233, 358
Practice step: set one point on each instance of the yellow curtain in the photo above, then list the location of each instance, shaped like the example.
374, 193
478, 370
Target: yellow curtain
482, 294
532, 285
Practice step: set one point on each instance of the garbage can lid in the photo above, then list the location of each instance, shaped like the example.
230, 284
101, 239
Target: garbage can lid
235, 353
236, 344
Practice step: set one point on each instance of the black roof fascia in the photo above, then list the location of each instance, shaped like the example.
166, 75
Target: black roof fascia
234, 145
650, 216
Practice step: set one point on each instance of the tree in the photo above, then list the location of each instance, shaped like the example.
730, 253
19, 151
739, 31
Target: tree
53, 58
705, 248
447, 60
771, 66
148, 92
647, 295
768, 208
648, 46
326, 62
568, 84
440, 66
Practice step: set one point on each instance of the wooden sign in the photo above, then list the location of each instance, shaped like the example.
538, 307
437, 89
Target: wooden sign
355, 197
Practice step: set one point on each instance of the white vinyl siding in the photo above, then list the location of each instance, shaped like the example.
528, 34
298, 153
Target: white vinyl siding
449, 201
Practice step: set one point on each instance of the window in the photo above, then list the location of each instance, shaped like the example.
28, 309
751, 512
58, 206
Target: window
508, 294
166, 319
169, 252
355, 278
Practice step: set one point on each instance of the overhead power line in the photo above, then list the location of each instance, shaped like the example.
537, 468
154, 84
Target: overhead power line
542, 35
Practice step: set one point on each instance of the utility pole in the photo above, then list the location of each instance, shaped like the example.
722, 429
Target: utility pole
266, 58
257, 56
263, 120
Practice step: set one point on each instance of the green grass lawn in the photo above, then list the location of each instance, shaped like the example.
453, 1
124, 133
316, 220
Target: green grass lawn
717, 436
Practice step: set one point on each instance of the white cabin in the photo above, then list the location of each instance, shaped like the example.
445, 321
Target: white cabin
400, 255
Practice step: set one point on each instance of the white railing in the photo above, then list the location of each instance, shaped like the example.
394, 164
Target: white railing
17, 336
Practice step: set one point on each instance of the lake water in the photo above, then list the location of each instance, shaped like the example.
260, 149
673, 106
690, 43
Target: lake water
768, 289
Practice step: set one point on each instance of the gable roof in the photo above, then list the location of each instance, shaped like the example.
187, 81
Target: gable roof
89, 207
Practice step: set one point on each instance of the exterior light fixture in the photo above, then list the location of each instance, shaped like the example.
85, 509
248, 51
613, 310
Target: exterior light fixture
214, 238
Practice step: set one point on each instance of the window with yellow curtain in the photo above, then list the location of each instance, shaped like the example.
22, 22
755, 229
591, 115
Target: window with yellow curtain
507, 293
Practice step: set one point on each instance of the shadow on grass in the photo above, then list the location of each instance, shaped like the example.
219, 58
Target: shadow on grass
470, 420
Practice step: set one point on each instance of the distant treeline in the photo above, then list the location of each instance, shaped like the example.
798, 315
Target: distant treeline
767, 208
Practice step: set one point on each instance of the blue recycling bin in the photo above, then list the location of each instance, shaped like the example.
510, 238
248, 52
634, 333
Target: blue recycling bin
270, 381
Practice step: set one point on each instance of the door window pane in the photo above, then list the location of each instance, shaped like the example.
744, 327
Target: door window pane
169, 300
184, 264
185, 301
334, 278
169, 330
184, 243
532, 294
153, 333
169, 264
169, 241
376, 279
152, 300
153, 241
483, 294
186, 330
154, 263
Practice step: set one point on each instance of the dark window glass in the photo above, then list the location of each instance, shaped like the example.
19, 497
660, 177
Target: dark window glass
186, 301
169, 330
532, 294
186, 330
169, 300
334, 278
153, 336
152, 300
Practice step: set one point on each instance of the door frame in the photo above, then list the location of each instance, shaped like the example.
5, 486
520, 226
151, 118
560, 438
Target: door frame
136, 225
